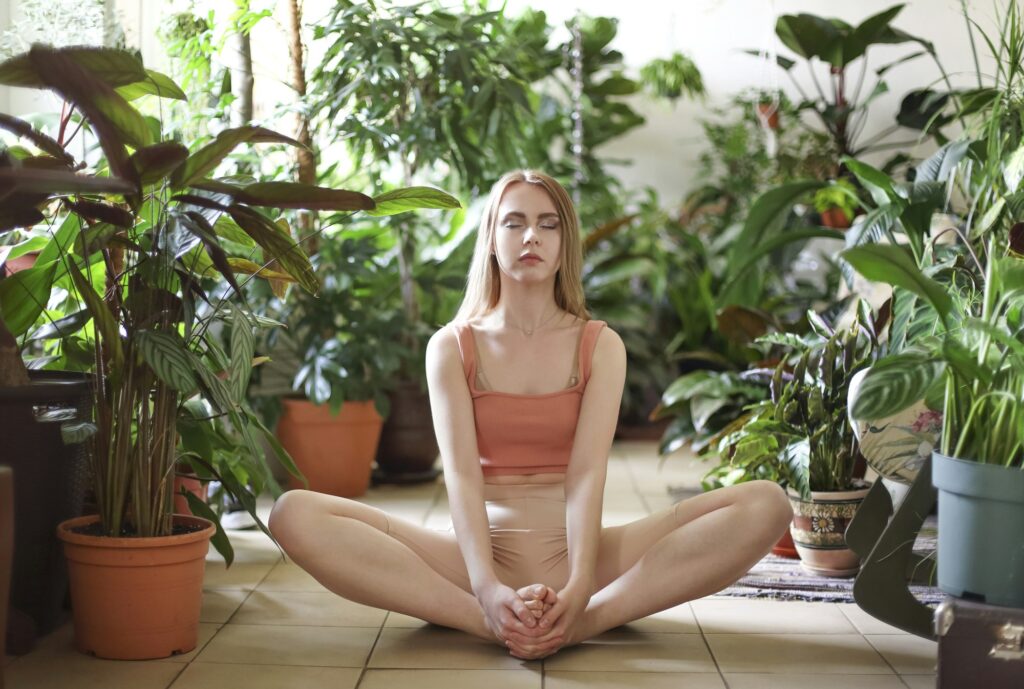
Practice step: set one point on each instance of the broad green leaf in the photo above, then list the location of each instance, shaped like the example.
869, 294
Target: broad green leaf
276, 446
110, 65
894, 266
938, 167
878, 184
62, 327
779, 241
36, 181
73, 433
293, 195
412, 198
219, 540
153, 163
106, 325
989, 219
23, 296
169, 358
207, 158
867, 33
810, 36
278, 245
242, 265
228, 229
213, 387
155, 84
893, 384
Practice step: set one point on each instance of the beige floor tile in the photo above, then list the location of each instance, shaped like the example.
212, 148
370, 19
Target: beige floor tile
629, 651
250, 546
919, 681
842, 654
306, 608
865, 623
633, 680
776, 681
437, 647
61, 642
288, 576
677, 620
243, 576
908, 654
220, 604
291, 645
40, 671
397, 620
452, 679
220, 676
746, 616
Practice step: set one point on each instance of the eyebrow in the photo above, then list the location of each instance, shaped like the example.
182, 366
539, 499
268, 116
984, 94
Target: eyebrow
542, 216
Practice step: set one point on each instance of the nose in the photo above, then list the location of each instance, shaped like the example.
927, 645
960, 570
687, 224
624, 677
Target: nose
531, 235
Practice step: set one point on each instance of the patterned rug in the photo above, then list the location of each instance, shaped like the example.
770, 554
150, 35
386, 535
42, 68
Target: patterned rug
783, 578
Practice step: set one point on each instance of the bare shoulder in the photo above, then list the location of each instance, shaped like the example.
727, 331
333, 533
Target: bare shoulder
442, 352
609, 346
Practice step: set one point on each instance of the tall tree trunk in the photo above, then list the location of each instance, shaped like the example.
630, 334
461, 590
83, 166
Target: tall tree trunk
242, 81
305, 159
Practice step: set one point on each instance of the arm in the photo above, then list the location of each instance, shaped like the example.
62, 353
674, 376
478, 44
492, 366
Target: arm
452, 409
588, 465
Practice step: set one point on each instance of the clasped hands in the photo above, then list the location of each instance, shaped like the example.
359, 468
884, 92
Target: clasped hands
534, 621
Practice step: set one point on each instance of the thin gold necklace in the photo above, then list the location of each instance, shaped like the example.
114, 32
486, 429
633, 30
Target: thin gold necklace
531, 331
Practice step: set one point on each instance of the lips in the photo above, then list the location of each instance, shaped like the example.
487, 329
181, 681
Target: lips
530, 257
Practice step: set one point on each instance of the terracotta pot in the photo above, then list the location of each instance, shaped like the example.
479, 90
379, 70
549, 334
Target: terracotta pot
769, 114
785, 547
835, 219
192, 484
334, 452
23, 262
819, 530
408, 448
136, 598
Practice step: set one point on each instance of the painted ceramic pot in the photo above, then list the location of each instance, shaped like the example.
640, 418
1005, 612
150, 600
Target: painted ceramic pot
896, 446
819, 530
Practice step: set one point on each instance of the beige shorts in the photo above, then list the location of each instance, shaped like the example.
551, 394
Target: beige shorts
527, 525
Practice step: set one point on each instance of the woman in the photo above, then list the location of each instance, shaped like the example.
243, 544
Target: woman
525, 393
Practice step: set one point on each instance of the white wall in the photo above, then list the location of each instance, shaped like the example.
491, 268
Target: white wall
712, 32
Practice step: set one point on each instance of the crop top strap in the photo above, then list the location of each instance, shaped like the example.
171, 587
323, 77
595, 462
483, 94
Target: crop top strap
591, 330
467, 350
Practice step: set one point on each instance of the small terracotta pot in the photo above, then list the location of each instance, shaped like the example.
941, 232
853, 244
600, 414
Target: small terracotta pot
136, 598
785, 547
769, 114
193, 485
819, 530
334, 452
835, 218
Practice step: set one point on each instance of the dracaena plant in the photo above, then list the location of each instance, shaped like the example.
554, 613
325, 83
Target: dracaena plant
140, 244
800, 436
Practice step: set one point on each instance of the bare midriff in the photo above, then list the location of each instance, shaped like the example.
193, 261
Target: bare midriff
523, 479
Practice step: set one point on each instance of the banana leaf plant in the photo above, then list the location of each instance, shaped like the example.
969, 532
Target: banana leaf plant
141, 237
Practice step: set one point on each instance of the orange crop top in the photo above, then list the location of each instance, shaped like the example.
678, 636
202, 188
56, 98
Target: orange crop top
527, 434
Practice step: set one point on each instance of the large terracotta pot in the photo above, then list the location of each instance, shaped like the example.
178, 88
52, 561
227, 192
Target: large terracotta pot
408, 448
136, 598
334, 452
819, 530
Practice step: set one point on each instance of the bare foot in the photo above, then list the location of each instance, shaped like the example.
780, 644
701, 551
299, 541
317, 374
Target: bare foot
538, 598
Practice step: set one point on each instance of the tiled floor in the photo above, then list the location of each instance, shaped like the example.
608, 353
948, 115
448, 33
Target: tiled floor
266, 624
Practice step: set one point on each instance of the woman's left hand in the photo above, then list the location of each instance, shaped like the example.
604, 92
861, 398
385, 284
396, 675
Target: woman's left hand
562, 620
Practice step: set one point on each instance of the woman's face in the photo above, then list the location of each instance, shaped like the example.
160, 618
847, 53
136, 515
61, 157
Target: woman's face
528, 233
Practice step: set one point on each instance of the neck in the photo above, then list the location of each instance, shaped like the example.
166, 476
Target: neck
527, 313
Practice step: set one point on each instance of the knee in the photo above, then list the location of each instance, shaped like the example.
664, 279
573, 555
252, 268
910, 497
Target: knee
288, 515
772, 505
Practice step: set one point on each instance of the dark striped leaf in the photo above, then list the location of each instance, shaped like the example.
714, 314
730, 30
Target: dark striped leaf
207, 158
153, 163
307, 196
243, 346
62, 327
112, 66
278, 245
169, 358
155, 84
893, 384
23, 297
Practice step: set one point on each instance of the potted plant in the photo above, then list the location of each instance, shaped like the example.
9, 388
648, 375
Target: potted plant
134, 248
836, 204
801, 436
349, 346
972, 373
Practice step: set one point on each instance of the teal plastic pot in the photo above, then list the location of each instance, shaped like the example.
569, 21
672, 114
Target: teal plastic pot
981, 530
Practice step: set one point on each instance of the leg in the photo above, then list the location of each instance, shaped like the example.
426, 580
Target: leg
346, 546
690, 550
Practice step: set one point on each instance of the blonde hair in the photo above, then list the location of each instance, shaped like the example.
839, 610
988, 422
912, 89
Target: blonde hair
483, 285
